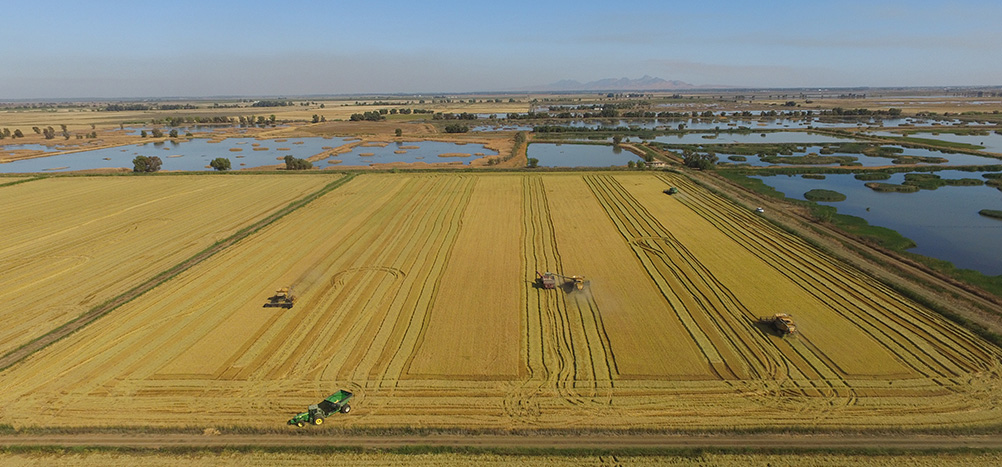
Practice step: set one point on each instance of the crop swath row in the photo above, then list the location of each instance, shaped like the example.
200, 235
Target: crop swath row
927, 344
416, 293
72, 243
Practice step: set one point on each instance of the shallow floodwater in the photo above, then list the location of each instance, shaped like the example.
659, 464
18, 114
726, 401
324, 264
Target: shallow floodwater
33, 147
190, 155
751, 138
502, 127
870, 161
944, 222
579, 155
425, 151
992, 142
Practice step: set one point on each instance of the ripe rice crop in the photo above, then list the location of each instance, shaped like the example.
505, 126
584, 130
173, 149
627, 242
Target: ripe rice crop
417, 292
72, 243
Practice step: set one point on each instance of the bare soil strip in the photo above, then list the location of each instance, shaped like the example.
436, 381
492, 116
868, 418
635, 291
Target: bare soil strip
83, 320
595, 442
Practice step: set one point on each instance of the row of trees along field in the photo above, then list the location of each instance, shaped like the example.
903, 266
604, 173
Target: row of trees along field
150, 164
6, 133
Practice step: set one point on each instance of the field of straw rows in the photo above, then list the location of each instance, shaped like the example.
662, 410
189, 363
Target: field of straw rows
417, 293
242, 458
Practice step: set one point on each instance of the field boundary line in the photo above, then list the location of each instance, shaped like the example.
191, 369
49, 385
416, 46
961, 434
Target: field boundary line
504, 443
41, 342
20, 181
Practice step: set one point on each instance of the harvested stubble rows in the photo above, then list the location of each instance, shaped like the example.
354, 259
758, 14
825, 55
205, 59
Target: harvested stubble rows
380, 459
416, 293
72, 243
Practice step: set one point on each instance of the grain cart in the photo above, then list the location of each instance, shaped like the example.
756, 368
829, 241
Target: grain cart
578, 282
316, 413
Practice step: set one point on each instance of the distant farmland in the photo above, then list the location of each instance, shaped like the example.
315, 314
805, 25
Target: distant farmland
417, 292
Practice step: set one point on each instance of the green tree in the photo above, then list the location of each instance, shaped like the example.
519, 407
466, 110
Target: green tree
173, 132
316, 118
157, 133
533, 163
220, 164
292, 163
398, 132
698, 161
142, 133
630, 164
617, 139
271, 119
145, 164
18, 134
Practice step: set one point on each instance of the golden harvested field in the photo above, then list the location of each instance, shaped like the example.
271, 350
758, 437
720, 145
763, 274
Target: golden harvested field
73, 243
416, 291
242, 458
9, 180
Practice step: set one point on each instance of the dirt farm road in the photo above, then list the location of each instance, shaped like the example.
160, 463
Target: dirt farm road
815, 441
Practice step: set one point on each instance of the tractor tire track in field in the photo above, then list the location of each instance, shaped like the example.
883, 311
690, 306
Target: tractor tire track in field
93, 314
685, 284
923, 342
568, 349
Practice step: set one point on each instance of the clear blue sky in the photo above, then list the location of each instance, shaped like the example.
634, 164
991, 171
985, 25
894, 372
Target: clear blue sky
108, 48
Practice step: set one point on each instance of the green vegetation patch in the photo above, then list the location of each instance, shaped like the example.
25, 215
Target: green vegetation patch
818, 194
814, 176
919, 159
940, 143
964, 182
932, 181
870, 176
891, 188
737, 158
994, 214
810, 159
924, 181
881, 151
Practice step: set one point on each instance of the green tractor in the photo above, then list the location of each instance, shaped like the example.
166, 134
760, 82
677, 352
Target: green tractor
316, 413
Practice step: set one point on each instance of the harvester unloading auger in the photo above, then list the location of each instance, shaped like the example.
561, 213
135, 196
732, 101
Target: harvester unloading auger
548, 280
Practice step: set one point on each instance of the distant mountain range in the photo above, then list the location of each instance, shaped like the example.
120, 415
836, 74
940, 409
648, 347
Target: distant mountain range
647, 83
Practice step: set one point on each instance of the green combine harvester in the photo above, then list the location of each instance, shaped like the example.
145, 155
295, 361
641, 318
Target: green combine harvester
316, 413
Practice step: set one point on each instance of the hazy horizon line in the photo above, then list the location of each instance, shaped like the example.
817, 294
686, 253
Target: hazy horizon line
693, 90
